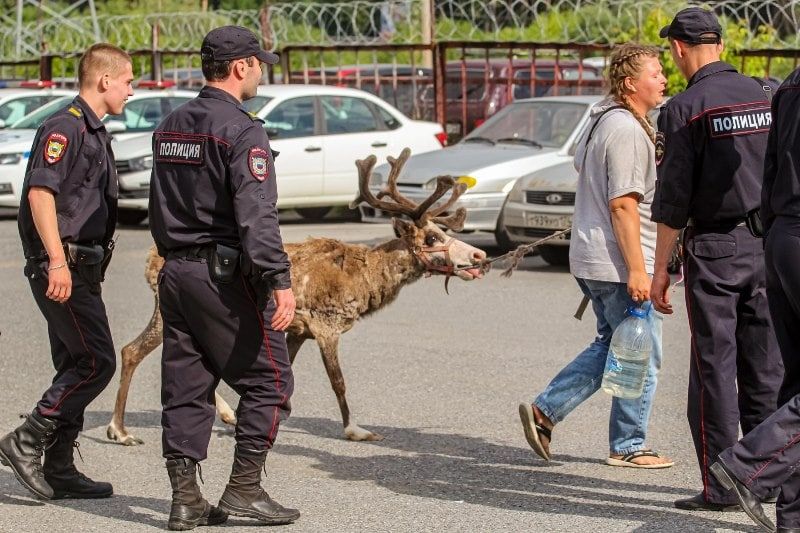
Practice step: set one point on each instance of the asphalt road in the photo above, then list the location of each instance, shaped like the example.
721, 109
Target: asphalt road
439, 376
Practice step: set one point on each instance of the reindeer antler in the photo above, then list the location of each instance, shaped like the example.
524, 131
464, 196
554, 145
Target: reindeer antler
419, 213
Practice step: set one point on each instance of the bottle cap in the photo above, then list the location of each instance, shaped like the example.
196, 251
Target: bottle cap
638, 312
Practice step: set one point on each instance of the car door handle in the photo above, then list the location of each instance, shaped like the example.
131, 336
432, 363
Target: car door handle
313, 149
379, 144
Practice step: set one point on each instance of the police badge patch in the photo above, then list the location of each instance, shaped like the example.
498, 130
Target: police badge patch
54, 147
258, 161
661, 147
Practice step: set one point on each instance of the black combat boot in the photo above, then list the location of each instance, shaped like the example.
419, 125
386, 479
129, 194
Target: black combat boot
244, 496
189, 508
22, 450
61, 474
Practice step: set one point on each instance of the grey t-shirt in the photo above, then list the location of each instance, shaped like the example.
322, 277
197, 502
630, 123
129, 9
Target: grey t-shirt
619, 160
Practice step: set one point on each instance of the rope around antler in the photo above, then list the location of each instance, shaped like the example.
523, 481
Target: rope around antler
516, 255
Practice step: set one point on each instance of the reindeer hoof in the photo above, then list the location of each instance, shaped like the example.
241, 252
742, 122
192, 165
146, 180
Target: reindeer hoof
123, 437
356, 433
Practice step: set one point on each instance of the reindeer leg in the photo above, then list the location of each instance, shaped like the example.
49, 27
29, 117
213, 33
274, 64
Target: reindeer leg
133, 354
329, 348
226, 414
293, 344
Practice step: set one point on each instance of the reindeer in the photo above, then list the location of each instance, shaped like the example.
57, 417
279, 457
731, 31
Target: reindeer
336, 283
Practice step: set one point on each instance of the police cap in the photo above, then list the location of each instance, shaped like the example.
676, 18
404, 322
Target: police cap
692, 25
234, 42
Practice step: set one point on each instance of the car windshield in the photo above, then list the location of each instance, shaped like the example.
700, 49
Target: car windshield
545, 123
33, 120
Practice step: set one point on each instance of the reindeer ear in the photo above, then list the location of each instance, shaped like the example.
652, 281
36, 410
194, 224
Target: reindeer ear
402, 227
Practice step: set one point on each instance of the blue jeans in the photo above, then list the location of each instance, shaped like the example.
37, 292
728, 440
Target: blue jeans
627, 426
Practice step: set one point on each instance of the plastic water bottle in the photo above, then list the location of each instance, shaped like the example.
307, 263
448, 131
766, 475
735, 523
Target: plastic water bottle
629, 356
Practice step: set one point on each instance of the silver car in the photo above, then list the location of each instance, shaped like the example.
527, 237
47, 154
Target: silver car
524, 136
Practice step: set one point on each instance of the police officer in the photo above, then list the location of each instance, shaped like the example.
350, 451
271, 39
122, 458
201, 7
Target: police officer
225, 288
710, 156
766, 458
66, 221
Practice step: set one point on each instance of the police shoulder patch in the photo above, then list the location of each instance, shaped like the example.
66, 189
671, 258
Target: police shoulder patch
54, 147
258, 162
661, 147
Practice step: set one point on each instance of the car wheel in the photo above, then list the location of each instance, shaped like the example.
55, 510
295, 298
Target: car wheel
313, 213
131, 217
555, 255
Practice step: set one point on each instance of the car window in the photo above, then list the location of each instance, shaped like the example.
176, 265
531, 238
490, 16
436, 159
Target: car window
475, 84
346, 114
255, 103
14, 110
147, 113
292, 118
33, 120
388, 119
548, 123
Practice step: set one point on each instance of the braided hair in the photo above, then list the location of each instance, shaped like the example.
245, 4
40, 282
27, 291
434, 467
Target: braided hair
626, 62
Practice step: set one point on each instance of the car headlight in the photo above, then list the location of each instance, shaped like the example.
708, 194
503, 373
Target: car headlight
11, 159
517, 194
376, 179
141, 163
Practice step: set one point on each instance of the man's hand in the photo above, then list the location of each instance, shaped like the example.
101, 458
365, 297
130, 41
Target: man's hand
659, 291
639, 286
59, 286
284, 314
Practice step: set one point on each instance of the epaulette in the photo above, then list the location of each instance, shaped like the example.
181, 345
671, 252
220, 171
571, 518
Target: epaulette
75, 111
253, 116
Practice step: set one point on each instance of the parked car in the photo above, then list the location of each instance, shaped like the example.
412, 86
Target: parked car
542, 203
525, 135
142, 113
319, 131
476, 89
15, 103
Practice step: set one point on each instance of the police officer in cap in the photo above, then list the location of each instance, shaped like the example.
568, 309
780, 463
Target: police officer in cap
765, 459
710, 158
225, 288
66, 221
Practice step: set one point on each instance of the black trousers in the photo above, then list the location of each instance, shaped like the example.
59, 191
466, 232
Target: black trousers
81, 347
215, 331
735, 364
768, 457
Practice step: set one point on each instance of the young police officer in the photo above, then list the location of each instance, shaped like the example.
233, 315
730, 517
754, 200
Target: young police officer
710, 158
225, 289
766, 459
66, 221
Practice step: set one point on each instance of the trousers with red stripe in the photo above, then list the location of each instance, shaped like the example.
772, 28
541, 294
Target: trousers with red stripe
735, 365
215, 331
768, 457
81, 347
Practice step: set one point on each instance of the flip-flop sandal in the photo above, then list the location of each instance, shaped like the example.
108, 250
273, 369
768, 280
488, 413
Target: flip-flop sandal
534, 430
627, 460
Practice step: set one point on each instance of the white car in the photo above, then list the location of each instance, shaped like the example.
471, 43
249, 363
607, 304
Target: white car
319, 131
142, 113
523, 136
17, 102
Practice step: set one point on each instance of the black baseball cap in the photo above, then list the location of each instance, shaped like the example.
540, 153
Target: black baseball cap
234, 42
692, 25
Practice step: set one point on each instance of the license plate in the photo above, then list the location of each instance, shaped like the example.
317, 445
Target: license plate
535, 220
453, 128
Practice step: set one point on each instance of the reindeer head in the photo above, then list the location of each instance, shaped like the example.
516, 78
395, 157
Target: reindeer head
436, 250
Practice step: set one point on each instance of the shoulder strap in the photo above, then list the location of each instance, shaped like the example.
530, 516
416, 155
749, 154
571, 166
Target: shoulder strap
594, 127
764, 87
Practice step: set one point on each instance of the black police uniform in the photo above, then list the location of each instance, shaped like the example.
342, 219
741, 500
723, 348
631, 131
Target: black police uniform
710, 154
214, 184
766, 458
71, 155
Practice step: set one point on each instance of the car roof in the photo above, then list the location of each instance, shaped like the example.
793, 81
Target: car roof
147, 93
296, 89
572, 99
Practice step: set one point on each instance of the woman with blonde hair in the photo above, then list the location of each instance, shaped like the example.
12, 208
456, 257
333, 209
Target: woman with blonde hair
612, 252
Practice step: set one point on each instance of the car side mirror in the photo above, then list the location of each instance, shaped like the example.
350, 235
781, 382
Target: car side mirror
115, 126
272, 133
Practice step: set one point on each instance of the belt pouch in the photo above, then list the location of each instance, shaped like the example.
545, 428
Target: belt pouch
223, 263
86, 260
754, 224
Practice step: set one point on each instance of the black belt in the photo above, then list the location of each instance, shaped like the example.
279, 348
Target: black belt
192, 253
41, 254
717, 225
